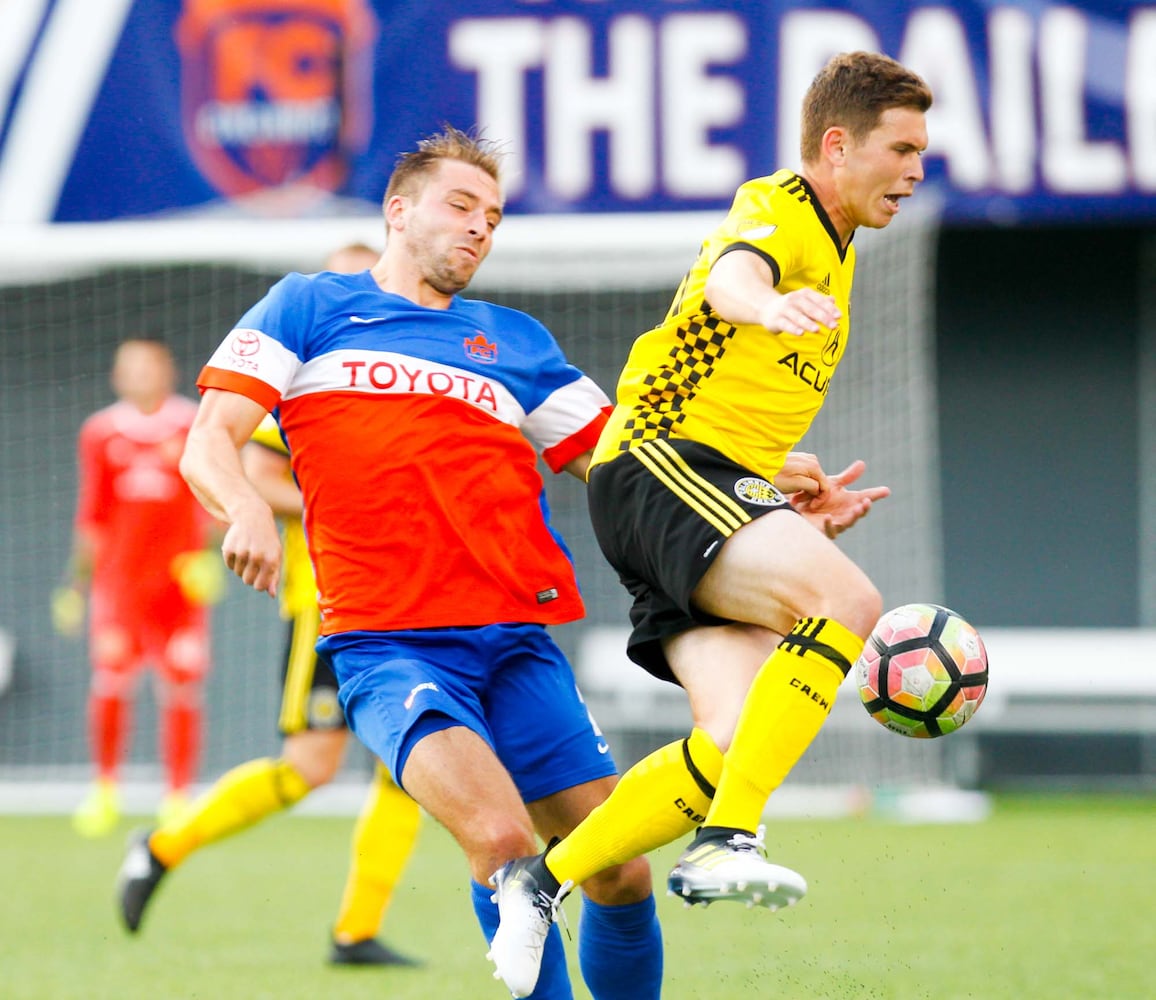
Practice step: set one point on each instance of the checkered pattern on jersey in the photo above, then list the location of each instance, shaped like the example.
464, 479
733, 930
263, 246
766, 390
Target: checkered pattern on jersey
700, 344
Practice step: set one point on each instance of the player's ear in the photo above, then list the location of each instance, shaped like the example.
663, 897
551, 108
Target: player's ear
395, 212
834, 144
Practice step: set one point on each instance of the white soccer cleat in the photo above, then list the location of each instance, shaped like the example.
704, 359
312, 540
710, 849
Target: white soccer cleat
525, 916
734, 869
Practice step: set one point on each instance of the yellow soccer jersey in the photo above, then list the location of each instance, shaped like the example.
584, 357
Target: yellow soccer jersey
748, 393
298, 585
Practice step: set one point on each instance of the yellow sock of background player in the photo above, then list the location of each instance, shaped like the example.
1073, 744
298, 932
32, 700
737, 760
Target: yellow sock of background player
661, 798
383, 840
240, 798
787, 705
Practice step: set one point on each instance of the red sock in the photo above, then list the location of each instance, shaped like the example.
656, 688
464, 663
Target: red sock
108, 721
182, 744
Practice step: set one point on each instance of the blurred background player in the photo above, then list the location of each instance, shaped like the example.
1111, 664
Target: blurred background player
314, 731
139, 561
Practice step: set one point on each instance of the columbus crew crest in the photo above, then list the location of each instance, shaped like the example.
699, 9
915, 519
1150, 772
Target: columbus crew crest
275, 94
758, 491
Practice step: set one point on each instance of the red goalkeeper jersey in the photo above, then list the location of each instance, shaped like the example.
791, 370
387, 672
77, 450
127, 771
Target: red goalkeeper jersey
135, 506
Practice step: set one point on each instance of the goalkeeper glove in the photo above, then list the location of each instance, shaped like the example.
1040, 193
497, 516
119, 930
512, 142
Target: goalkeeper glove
67, 611
200, 575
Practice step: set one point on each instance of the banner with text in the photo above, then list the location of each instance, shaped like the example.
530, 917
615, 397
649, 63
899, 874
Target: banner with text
129, 108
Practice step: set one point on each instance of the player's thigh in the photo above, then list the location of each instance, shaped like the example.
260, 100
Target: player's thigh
418, 700
778, 569
457, 778
115, 642
542, 731
716, 666
556, 815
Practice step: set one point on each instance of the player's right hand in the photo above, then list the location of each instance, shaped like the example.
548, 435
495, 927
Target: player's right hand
252, 548
68, 605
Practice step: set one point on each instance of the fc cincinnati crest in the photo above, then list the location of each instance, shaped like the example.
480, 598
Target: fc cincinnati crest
758, 491
480, 349
275, 93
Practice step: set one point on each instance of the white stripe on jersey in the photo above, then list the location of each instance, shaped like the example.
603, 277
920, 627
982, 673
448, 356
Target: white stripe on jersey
390, 373
253, 353
566, 411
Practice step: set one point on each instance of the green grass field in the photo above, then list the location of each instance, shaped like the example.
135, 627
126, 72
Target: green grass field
1051, 897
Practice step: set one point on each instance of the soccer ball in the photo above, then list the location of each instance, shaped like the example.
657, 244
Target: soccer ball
923, 671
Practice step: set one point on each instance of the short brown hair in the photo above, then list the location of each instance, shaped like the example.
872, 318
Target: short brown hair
853, 90
412, 168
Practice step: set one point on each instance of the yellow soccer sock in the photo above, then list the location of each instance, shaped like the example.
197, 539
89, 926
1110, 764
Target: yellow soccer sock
383, 840
663, 797
240, 798
786, 706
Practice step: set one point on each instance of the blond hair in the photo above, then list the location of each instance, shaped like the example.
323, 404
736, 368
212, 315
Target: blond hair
413, 168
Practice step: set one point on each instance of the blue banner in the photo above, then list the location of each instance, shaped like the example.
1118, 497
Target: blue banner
131, 108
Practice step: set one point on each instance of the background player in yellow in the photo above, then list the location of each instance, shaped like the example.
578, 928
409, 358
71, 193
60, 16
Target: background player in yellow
315, 738
695, 497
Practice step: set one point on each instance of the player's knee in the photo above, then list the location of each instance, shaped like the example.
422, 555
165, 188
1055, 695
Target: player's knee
187, 654
316, 771
852, 600
864, 609
496, 839
622, 884
316, 755
112, 652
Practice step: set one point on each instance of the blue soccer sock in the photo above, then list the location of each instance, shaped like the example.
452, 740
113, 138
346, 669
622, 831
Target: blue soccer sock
620, 950
554, 979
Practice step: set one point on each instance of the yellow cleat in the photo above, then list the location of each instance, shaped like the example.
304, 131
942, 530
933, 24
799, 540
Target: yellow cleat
99, 813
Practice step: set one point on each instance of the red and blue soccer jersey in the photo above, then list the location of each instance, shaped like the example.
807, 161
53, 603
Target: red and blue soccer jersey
414, 436
138, 510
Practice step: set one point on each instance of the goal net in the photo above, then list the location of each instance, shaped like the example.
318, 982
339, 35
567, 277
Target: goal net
69, 294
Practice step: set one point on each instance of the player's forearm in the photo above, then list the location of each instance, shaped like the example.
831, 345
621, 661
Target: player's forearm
577, 467
740, 288
211, 465
282, 496
270, 476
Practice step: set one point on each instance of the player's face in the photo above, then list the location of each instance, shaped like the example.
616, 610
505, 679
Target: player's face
143, 374
450, 227
883, 168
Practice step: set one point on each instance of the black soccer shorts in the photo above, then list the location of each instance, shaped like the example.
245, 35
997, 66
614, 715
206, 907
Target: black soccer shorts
661, 513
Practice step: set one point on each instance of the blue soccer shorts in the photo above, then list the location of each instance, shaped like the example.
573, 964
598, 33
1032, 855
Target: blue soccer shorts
509, 683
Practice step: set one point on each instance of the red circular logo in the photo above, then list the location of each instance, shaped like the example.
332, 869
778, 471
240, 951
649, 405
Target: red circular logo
246, 343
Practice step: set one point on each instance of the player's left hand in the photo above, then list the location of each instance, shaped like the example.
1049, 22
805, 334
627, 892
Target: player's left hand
836, 508
201, 576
